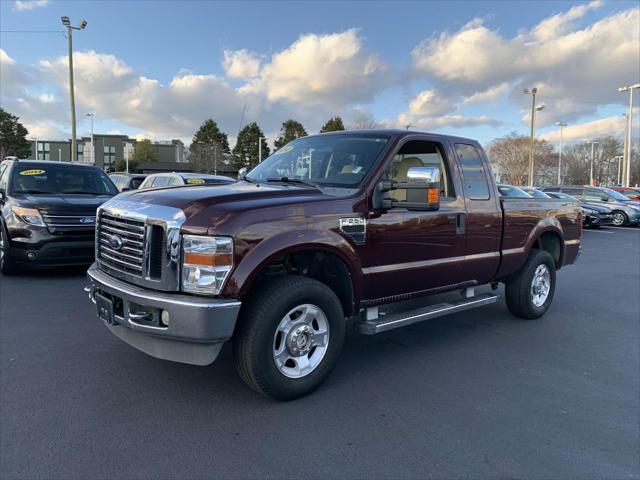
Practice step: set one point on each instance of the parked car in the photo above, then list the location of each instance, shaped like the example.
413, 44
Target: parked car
632, 193
593, 215
157, 180
48, 213
534, 192
624, 211
512, 192
330, 227
127, 181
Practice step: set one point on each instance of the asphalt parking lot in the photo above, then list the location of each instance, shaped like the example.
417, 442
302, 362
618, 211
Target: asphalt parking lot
475, 395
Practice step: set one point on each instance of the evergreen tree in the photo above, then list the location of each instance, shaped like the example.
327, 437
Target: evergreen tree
246, 151
210, 134
333, 125
290, 130
13, 137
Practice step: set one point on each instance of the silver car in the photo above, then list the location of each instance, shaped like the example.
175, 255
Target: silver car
624, 211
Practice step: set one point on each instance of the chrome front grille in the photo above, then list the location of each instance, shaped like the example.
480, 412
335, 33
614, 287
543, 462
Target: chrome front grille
140, 243
121, 243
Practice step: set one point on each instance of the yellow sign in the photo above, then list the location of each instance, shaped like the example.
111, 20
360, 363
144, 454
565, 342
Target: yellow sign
32, 172
195, 181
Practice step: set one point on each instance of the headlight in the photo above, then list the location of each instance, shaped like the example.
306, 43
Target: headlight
206, 263
28, 215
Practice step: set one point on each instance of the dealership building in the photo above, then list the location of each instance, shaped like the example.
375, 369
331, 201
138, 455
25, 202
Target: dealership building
107, 150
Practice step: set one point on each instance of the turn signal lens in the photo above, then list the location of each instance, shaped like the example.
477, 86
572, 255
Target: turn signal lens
206, 263
28, 215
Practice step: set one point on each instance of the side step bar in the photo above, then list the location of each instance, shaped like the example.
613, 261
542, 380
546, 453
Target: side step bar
400, 319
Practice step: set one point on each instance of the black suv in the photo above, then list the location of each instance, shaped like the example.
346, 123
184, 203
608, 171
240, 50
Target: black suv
48, 212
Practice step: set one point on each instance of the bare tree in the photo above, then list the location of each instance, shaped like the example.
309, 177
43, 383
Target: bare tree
605, 165
206, 157
363, 121
509, 156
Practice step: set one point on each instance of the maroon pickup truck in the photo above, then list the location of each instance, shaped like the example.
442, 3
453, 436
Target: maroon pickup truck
331, 228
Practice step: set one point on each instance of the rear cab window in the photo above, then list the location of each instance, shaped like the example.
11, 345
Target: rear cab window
474, 178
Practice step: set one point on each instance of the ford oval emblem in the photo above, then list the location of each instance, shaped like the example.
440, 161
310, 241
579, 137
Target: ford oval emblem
88, 220
116, 242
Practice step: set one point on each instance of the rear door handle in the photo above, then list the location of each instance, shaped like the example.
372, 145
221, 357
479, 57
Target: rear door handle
460, 223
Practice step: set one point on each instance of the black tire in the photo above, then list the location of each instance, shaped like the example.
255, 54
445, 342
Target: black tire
616, 215
254, 342
7, 263
519, 289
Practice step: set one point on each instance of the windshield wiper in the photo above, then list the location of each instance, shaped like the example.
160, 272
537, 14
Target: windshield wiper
34, 191
291, 180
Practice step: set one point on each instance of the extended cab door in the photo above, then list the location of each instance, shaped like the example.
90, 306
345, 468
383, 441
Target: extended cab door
411, 251
484, 214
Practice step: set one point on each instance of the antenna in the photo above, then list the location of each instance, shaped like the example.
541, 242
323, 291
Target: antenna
244, 110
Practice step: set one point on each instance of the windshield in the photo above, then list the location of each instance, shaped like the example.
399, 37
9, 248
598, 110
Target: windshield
509, 191
617, 195
61, 179
340, 161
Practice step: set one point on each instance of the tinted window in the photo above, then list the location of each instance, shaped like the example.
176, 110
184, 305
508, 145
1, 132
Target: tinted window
474, 178
60, 179
161, 181
574, 192
136, 182
594, 194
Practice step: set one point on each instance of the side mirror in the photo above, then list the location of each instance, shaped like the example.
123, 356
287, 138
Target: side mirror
422, 186
1, 194
604, 199
242, 173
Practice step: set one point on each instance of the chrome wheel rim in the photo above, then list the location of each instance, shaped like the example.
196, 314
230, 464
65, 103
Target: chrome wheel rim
618, 219
540, 285
300, 341
1, 245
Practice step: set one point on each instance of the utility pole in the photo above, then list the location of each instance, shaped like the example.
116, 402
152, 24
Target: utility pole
591, 169
619, 159
67, 23
561, 125
259, 149
534, 108
626, 170
93, 155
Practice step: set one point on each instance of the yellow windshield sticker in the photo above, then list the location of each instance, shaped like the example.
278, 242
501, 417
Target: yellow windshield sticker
32, 172
195, 181
285, 149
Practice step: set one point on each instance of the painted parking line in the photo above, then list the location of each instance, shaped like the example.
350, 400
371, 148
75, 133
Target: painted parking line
596, 231
635, 229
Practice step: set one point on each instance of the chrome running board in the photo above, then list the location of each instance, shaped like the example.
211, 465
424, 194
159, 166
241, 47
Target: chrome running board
376, 323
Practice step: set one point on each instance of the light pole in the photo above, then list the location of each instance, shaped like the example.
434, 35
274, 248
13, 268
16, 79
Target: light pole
93, 155
619, 159
534, 108
626, 170
591, 169
561, 125
67, 23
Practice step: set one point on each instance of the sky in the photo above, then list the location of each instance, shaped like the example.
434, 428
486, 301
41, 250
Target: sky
158, 69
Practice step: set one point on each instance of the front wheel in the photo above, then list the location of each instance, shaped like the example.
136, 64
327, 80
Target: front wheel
530, 293
619, 218
290, 336
7, 266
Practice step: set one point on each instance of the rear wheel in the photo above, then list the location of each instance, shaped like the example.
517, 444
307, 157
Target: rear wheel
530, 293
7, 266
619, 218
290, 337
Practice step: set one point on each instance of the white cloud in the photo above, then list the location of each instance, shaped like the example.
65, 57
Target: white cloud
241, 64
572, 68
323, 70
488, 95
615, 126
29, 4
430, 103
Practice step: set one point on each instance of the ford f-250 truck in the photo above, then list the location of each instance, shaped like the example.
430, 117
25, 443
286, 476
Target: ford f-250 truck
329, 228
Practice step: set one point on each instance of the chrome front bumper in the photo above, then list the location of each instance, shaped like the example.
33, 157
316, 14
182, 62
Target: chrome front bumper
197, 327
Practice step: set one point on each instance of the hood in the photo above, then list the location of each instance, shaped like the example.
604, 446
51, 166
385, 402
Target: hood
233, 197
62, 202
596, 207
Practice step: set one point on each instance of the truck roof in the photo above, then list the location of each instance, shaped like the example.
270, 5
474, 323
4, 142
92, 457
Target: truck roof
393, 132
